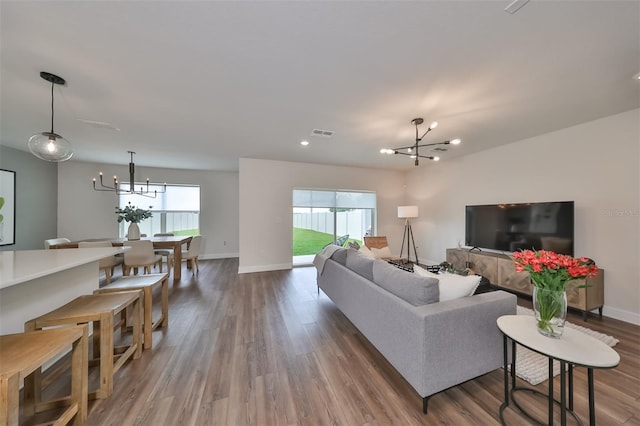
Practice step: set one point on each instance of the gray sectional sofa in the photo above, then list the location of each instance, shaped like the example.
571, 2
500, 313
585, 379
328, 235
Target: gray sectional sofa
435, 345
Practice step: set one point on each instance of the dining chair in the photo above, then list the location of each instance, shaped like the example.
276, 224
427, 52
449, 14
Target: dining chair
192, 253
54, 241
140, 255
107, 264
165, 252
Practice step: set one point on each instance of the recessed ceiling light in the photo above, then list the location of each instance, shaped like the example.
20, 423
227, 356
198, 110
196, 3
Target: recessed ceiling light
637, 76
304, 143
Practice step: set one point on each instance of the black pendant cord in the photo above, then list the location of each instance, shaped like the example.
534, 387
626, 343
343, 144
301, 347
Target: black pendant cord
52, 84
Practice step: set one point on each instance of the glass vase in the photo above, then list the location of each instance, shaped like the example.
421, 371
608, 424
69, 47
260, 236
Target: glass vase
550, 308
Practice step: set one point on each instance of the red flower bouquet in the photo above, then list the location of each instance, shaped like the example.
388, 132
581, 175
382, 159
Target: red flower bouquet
551, 271
549, 274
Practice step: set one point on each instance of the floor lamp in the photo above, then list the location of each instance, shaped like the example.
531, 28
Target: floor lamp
408, 212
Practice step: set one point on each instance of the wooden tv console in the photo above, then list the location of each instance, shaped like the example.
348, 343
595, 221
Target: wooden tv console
501, 272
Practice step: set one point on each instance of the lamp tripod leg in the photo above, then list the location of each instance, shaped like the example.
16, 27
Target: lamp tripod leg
414, 244
404, 235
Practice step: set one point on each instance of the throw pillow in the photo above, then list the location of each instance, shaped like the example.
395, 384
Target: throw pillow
364, 250
353, 245
410, 287
452, 286
381, 253
360, 264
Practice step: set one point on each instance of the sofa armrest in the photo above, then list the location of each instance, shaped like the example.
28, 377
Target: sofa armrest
462, 339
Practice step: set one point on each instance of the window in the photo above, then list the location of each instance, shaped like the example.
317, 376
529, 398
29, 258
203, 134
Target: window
177, 210
322, 216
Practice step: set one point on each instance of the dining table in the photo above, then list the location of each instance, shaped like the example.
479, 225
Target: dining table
173, 242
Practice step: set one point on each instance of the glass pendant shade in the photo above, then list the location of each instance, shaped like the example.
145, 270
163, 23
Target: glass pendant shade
50, 147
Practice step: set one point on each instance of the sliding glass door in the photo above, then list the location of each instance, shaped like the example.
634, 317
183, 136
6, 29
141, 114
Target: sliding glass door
321, 217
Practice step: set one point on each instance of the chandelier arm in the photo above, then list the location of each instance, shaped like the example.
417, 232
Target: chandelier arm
101, 189
414, 155
423, 145
423, 135
110, 188
406, 147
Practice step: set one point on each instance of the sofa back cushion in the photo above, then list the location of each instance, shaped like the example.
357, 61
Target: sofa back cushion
410, 287
360, 263
340, 256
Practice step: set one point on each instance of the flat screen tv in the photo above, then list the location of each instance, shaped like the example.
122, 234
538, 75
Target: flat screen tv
513, 227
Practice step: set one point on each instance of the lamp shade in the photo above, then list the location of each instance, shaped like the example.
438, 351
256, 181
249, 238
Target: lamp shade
407, 211
50, 147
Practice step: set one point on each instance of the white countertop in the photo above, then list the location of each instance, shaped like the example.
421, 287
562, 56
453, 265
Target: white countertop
25, 265
573, 346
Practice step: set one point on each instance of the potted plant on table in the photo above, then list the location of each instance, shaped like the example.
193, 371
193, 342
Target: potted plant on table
549, 274
134, 215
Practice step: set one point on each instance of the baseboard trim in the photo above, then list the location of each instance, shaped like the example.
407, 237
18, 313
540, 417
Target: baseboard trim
622, 315
218, 256
263, 268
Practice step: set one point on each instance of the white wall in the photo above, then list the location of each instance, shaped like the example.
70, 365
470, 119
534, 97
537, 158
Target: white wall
266, 217
36, 198
595, 164
85, 213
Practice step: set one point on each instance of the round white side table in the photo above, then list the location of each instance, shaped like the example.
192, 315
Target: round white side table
572, 349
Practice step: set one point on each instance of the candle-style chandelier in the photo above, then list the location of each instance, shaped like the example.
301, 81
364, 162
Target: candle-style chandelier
146, 190
412, 150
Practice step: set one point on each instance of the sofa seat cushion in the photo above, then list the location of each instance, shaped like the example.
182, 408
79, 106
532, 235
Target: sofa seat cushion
360, 263
452, 286
412, 288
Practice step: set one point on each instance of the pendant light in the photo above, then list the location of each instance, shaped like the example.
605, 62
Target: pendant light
50, 146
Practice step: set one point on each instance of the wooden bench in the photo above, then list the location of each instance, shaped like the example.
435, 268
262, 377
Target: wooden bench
22, 356
146, 283
100, 310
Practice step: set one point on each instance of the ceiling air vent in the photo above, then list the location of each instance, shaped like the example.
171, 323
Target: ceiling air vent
322, 133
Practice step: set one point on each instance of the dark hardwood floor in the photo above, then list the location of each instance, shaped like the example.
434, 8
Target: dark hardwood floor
266, 349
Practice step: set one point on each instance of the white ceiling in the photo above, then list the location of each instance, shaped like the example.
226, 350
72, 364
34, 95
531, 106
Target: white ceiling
200, 84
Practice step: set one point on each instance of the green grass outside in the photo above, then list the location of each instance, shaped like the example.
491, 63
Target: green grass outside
186, 232
306, 241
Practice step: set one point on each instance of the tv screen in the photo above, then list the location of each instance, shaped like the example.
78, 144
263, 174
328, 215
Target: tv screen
513, 227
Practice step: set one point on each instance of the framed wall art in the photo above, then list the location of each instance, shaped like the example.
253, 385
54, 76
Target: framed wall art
7, 207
